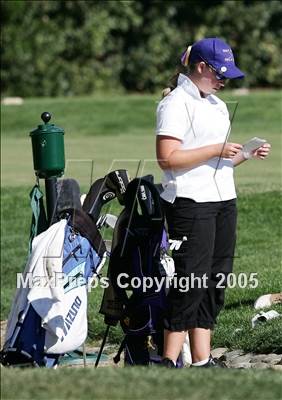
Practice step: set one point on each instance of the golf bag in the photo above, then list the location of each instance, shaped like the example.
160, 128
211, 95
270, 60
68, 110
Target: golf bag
139, 245
49, 313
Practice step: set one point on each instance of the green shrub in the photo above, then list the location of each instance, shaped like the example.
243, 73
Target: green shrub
52, 48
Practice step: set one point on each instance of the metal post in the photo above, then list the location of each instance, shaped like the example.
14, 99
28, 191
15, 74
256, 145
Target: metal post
51, 198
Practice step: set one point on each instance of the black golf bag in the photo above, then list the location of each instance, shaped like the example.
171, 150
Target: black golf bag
136, 266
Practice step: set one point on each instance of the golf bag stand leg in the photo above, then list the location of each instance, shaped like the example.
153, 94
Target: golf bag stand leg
102, 346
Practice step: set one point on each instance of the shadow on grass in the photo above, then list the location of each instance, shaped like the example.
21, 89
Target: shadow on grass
239, 303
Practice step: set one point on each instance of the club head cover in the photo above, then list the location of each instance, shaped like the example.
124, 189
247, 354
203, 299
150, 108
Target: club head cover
98, 195
118, 181
145, 196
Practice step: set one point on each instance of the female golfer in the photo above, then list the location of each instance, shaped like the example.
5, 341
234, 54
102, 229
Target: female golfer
199, 195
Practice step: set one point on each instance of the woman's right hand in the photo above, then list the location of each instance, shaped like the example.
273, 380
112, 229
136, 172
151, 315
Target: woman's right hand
229, 150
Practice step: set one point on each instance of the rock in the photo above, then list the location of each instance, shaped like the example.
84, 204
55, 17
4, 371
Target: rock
231, 355
241, 91
258, 358
276, 367
273, 359
240, 366
3, 332
12, 101
260, 365
267, 358
246, 358
217, 353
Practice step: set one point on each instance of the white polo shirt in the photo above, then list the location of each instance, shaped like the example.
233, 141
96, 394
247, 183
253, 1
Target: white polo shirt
197, 122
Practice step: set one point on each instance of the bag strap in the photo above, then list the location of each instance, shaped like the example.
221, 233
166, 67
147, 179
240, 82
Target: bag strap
84, 224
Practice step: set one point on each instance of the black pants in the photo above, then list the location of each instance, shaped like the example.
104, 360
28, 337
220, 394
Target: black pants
202, 261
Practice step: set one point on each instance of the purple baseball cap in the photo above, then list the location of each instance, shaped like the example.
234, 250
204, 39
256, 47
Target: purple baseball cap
215, 52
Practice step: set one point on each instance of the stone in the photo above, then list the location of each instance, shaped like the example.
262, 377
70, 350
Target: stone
232, 354
246, 358
241, 91
276, 367
260, 365
273, 359
267, 358
3, 328
218, 352
240, 366
12, 101
258, 358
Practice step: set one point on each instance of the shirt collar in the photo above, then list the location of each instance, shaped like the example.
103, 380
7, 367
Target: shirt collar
188, 86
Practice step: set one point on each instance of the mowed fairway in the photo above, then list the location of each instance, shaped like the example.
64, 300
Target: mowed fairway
103, 133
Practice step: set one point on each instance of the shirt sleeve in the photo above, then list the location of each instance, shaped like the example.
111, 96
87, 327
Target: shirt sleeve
172, 118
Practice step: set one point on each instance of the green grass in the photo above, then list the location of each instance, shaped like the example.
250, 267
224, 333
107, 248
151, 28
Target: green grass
84, 116
258, 112
104, 133
141, 383
258, 251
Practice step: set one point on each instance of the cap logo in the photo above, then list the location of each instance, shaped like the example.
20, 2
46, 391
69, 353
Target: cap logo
223, 69
229, 59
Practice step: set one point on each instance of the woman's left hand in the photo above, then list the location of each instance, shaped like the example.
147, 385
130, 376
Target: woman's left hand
262, 152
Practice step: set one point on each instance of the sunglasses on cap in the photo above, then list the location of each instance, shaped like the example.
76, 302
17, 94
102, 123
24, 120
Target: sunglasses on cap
218, 76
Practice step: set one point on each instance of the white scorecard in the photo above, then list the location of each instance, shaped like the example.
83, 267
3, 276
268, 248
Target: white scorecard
253, 144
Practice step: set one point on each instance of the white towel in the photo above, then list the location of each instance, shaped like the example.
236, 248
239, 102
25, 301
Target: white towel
47, 299
36, 266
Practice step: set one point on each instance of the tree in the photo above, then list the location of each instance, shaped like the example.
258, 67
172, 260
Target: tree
52, 48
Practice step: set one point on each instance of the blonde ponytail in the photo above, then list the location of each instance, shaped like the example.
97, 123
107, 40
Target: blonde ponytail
182, 69
186, 58
166, 91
